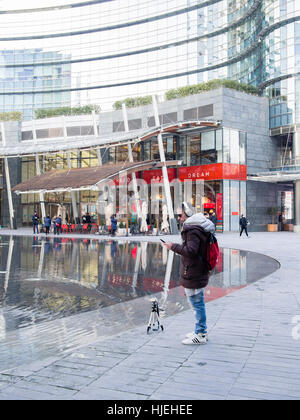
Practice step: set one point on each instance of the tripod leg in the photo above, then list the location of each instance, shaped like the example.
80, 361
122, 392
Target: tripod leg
154, 322
159, 324
150, 322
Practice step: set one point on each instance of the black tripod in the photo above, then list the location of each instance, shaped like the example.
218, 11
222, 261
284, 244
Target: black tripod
154, 320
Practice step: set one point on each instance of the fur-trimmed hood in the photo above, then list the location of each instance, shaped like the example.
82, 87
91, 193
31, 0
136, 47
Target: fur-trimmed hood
199, 220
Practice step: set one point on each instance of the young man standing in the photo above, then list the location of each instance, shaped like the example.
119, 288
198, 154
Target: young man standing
243, 224
47, 224
35, 223
194, 274
213, 218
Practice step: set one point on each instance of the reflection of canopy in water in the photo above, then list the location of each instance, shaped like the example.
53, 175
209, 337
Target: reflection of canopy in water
58, 296
65, 288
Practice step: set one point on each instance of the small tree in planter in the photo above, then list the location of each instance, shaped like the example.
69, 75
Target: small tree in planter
272, 211
122, 228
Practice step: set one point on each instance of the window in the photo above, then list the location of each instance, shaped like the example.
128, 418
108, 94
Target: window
205, 111
87, 130
234, 147
118, 126
226, 146
170, 148
242, 148
190, 114
42, 134
219, 146
135, 124
27, 135
146, 149
194, 143
121, 153
154, 150
169, 118
208, 151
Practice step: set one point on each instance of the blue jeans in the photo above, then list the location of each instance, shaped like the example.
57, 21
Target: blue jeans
198, 304
35, 228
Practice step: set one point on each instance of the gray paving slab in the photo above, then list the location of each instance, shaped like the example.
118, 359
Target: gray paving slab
253, 350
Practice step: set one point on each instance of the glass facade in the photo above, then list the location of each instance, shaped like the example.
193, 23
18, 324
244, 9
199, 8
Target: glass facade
100, 52
281, 60
23, 81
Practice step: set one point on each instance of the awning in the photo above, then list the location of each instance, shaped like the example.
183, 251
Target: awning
281, 176
84, 178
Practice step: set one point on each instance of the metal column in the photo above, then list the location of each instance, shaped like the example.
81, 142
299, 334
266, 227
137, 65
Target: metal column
163, 300
42, 201
296, 145
73, 193
173, 224
99, 156
8, 263
41, 261
130, 157
7, 177
136, 271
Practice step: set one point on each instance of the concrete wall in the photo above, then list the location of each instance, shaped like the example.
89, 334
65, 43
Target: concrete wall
251, 114
260, 196
178, 105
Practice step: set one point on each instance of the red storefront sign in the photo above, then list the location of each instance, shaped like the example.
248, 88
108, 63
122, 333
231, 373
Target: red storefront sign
151, 284
214, 172
209, 205
219, 206
119, 280
155, 175
212, 293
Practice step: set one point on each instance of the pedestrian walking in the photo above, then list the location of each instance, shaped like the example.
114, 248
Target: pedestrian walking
213, 218
194, 274
47, 224
88, 220
35, 222
57, 225
280, 222
114, 225
243, 225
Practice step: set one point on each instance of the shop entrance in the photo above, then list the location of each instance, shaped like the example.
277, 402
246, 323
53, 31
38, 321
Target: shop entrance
90, 208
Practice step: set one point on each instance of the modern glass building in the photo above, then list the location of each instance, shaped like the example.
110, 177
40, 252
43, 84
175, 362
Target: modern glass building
103, 51
115, 48
26, 82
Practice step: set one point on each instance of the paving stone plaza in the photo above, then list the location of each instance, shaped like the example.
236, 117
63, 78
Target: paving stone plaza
252, 352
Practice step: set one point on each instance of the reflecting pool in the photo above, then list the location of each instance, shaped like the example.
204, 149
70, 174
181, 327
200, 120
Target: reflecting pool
45, 282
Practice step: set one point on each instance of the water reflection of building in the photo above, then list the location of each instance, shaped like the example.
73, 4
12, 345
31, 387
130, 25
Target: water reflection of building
66, 276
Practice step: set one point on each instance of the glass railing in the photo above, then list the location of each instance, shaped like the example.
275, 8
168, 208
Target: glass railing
286, 165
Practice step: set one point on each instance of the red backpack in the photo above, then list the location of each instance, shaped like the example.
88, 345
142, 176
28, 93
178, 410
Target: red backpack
212, 252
